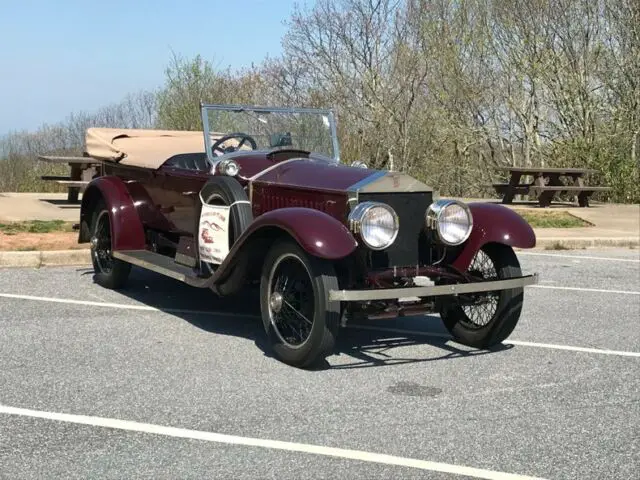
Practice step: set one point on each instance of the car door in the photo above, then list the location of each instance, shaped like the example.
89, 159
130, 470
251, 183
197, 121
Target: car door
179, 201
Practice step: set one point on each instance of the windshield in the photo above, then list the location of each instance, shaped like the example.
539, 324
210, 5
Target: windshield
312, 130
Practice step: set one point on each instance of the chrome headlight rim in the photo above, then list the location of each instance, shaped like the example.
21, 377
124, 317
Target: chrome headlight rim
359, 164
358, 215
229, 167
434, 213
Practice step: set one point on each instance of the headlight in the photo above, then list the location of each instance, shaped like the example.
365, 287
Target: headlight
228, 167
376, 223
451, 219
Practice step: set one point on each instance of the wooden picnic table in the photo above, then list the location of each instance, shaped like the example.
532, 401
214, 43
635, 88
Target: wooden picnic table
547, 182
83, 169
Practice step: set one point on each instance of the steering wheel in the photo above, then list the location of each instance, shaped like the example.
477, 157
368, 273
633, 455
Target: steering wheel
244, 138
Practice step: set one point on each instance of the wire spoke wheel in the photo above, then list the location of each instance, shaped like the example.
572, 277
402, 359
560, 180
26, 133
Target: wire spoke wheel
291, 301
300, 321
485, 319
484, 306
110, 272
101, 244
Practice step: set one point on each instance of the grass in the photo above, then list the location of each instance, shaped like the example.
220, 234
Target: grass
553, 219
36, 226
557, 246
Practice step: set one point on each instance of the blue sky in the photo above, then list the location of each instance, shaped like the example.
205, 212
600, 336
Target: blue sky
61, 56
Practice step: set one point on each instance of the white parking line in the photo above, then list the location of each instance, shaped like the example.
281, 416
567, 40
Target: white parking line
123, 306
261, 443
612, 259
573, 349
580, 289
401, 331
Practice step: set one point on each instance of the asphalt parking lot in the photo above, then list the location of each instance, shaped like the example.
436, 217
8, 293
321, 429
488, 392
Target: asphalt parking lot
166, 381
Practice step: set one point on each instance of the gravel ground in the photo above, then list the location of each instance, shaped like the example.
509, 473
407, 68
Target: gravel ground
520, 409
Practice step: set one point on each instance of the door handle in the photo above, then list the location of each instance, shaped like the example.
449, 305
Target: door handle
188, 194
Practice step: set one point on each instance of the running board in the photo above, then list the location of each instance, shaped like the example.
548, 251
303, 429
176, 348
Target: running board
161, 264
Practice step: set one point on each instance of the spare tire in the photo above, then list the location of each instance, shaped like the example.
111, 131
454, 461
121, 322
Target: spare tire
223, 190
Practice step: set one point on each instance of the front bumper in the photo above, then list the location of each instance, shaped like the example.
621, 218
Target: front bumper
431, 291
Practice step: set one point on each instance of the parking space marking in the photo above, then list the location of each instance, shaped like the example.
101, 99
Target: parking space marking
122, 306
580, 289
360, 455
586, 257
571, 348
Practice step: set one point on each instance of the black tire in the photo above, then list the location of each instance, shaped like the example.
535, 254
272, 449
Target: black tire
110, 272
316, 341
222, 190
505, 309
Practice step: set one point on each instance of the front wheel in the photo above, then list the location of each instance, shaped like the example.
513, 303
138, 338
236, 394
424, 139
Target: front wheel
487, 318
300, 320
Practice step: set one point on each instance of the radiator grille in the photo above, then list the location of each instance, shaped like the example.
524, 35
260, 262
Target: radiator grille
267, 199
410, 244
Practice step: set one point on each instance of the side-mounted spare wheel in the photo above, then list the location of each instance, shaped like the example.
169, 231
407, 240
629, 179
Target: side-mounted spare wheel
227, 191
300, 320
109, 272
486, 319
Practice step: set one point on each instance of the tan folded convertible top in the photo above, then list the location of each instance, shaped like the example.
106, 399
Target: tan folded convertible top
142, 148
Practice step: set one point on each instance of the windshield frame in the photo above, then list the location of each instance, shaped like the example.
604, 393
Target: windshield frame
205, 107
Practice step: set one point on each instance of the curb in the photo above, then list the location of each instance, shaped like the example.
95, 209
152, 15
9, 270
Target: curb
59, 258
37, 259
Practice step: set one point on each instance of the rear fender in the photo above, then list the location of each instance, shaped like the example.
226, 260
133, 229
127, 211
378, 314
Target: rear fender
127, 232
494, 223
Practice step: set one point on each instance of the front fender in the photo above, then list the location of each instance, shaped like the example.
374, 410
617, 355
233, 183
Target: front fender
318, 233
127, 232
494, 223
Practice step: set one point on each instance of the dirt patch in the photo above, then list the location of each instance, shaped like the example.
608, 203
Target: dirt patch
40, 241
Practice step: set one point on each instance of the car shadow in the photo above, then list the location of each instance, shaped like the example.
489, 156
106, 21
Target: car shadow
374, 344
375, 348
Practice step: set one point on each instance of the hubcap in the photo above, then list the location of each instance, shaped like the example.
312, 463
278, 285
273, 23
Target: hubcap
275, 302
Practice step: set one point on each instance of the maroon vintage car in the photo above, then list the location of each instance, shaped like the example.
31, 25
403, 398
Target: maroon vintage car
260, 195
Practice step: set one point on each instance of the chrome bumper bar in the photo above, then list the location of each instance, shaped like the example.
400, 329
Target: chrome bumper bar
431, 291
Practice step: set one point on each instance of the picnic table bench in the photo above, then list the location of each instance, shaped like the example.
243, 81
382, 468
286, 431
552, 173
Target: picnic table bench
83, 169
547, 183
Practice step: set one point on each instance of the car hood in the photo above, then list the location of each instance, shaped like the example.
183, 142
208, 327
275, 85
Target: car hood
320, 175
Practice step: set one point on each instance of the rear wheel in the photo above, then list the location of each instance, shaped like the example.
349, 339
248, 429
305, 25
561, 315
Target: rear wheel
109, 272
300, 321
486, 319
